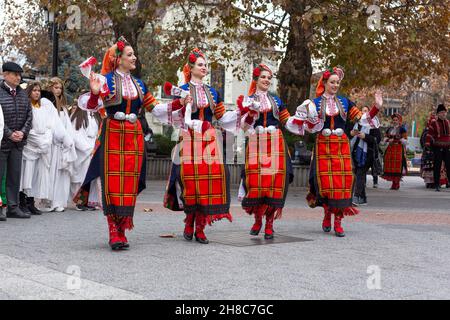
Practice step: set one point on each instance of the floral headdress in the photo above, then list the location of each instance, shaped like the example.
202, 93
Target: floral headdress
325, 76
112, 55
256, 73
193, 56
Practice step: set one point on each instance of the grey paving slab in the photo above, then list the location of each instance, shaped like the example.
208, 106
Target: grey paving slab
36, 256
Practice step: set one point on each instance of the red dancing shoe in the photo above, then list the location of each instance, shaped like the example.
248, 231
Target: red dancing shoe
326, 224
338, 227
115, 242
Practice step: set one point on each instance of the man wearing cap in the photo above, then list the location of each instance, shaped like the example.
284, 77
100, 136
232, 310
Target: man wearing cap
439, 138
17, 114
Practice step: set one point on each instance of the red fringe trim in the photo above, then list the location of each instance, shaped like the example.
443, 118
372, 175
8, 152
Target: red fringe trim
311, 199
124, 223
210, 219
392, 179
348, 211
265, 210
206, 219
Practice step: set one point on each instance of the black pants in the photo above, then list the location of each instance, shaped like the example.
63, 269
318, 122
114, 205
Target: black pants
441, 154
375, 179
11, 162
360, 185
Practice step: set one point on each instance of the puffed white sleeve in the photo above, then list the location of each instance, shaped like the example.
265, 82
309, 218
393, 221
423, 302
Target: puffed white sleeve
90, 102
306, 118
230, 121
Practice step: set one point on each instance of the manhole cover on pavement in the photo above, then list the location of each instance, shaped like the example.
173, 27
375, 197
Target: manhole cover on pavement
243, 239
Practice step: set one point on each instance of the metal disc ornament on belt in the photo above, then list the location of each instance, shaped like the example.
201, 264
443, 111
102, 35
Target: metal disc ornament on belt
121, 116
337, 132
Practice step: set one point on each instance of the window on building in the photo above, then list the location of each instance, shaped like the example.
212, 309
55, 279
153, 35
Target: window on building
218, 78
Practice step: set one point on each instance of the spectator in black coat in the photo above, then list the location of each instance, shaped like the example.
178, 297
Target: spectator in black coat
18, 117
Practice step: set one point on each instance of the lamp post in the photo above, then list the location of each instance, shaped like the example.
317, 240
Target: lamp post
53, 34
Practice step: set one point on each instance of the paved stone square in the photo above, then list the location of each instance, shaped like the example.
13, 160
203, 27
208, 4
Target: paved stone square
397, 248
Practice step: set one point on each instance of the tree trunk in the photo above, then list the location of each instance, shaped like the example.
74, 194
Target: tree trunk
295, 70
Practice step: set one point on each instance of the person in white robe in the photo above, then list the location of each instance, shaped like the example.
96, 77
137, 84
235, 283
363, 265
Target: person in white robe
63, 152
85, 126
35, 179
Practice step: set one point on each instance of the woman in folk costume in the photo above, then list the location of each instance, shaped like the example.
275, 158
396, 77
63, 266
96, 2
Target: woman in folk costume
85, 127
118, 158
331, 174
268, 168
395, 155
36, 180
63, 151
199, 182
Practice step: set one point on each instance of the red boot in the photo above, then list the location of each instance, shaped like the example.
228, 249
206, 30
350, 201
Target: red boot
254, 231
268, 231
326, 224
395, 185
189, 226
337, 225
200, 223
115, 242
123, 238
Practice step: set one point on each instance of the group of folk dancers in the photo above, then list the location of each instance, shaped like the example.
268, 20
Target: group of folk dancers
199, 180
95, 155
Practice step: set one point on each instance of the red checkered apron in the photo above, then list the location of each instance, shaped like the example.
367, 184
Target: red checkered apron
393, 161
265, 172
203, 175
122, 162
333, 176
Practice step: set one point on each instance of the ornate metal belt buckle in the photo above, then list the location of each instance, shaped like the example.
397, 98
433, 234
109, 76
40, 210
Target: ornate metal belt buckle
326, 132
339, 132
271, 129
259, 129
119, 116
131, 117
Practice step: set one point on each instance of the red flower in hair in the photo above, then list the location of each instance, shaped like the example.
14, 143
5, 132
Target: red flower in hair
120, 45
326, 74
192, 58
256, 72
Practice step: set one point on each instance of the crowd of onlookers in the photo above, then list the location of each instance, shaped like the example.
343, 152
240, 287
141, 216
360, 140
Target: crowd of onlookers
46, 145
392, 165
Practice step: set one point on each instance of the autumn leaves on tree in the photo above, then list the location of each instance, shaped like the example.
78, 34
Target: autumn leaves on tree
408, 42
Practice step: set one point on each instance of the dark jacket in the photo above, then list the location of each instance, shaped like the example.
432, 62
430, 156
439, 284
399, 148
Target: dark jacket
17, 114
372, 139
